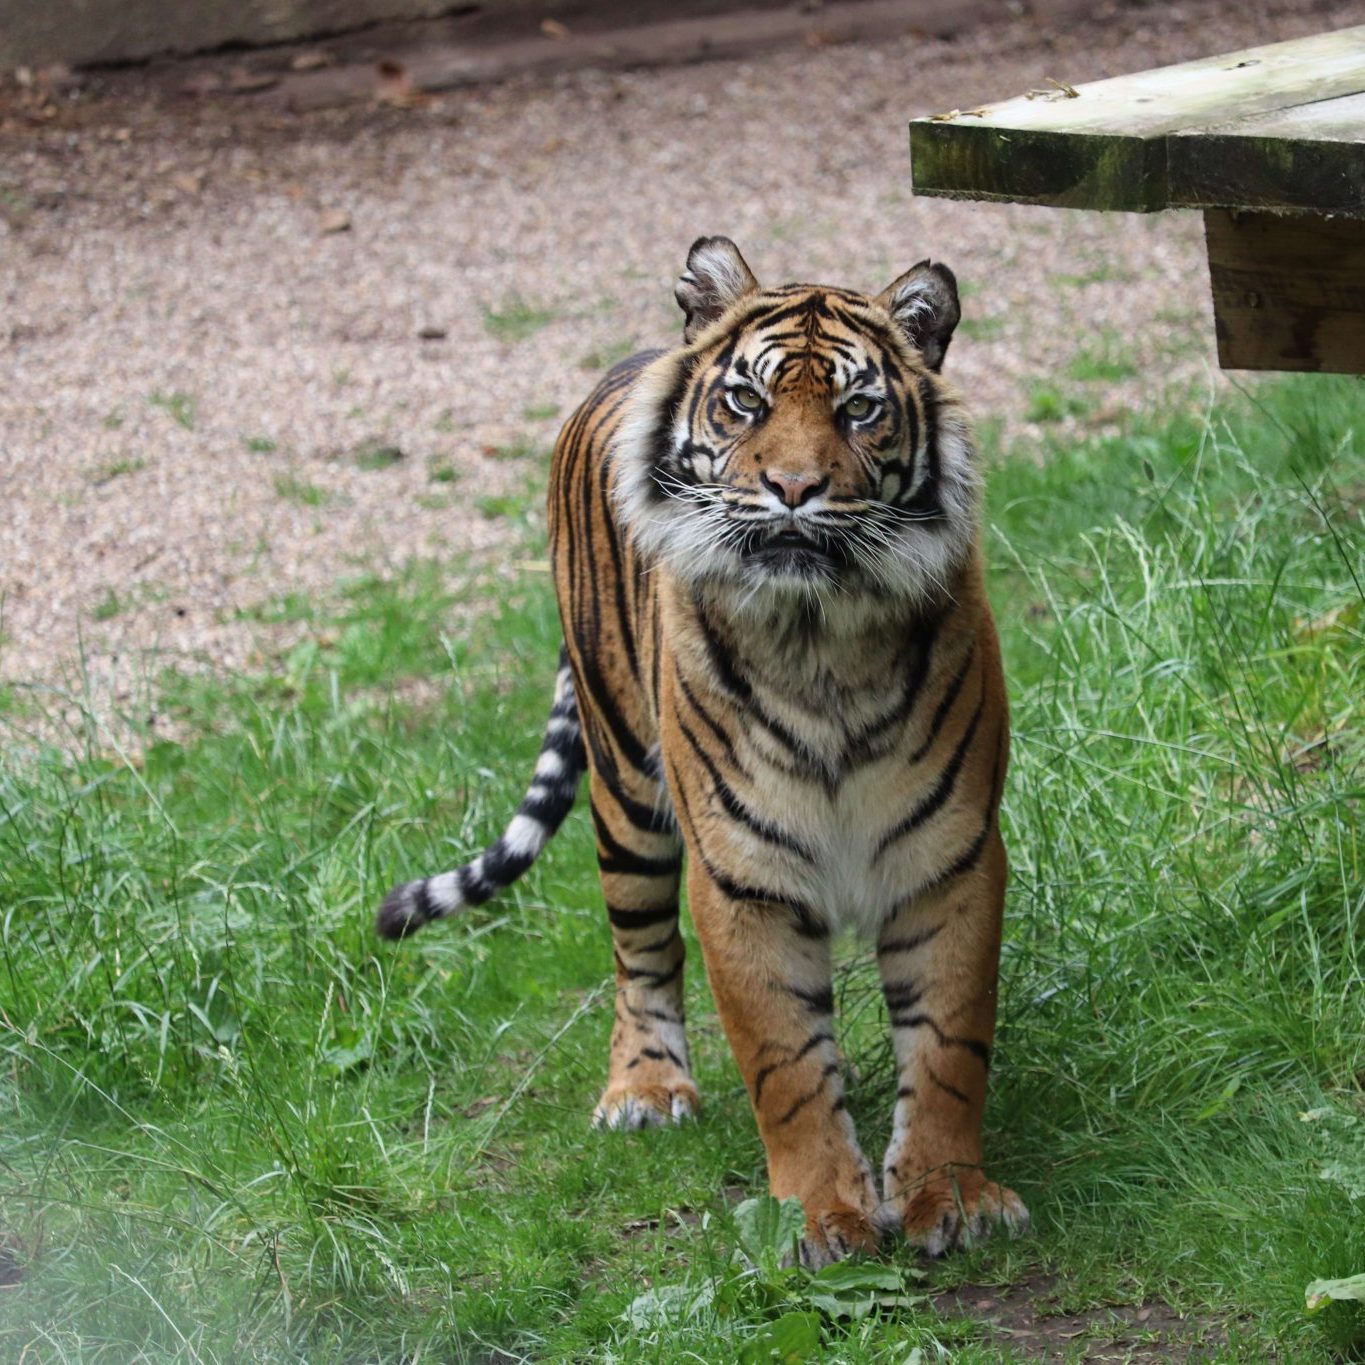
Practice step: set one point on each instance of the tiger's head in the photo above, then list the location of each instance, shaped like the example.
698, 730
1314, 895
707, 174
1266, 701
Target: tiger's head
801, 440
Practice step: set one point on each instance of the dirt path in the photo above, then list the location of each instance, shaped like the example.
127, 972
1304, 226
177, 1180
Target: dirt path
246, 352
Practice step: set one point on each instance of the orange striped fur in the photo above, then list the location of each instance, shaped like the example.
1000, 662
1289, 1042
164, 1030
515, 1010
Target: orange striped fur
780, 660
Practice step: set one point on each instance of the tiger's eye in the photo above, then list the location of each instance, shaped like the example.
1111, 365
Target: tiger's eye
859, 406
745, 397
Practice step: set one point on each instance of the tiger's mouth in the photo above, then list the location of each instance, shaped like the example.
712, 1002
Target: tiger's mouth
788, 549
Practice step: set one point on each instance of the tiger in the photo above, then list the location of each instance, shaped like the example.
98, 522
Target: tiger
778, 660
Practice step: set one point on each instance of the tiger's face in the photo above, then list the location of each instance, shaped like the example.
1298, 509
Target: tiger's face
801, 441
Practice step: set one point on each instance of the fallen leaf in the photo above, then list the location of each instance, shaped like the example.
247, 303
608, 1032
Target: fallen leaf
338, 220
1054, 90
396, 87
310, 60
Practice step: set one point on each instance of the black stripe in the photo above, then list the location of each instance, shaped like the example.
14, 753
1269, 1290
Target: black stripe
969, 859
820, 1001
946, 705
738, 687
622, 918
942, 790
738, 811
624, 632
613, 856
656, 979
901, 995
474, 887
709, 721
659, 944
806, 1048
807, 924
978, 1049
949, 1089
909, 943
502, 866
603, 711
425, 908
548, 810
800, 1104
923, 645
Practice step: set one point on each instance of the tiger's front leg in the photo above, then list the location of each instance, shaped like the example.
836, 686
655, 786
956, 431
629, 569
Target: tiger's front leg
772, 987
649, 1079
939, 958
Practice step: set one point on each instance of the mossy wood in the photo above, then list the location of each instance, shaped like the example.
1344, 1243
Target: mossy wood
1288, 291
1285, 118
1310, 158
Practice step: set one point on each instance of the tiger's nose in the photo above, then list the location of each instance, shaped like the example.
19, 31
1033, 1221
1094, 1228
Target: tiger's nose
794, 489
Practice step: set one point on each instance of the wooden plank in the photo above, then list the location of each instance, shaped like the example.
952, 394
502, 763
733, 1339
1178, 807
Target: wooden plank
1103, 146
1311, 157
1288, 291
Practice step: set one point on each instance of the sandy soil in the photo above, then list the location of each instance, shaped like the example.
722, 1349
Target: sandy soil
245, 352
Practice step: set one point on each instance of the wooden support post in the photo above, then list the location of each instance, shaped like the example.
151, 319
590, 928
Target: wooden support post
1288, 290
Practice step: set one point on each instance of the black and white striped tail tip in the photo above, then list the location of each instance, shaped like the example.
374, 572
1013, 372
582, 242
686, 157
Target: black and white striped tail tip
408, 907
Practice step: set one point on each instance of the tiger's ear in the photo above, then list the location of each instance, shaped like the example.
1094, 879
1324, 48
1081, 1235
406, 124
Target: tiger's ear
923, 304
715, 277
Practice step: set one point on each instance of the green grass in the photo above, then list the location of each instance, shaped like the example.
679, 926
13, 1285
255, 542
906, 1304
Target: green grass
1047, 403
982, 329
116, 469
107, 607
294, 489
604, 357
521, 449
182, 408
374, 456
1102, 362
236, 1127
515, 319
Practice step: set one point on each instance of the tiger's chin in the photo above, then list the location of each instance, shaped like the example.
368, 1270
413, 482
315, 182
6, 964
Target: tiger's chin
793, 564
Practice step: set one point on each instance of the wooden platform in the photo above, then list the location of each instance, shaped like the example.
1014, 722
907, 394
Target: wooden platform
1270, 142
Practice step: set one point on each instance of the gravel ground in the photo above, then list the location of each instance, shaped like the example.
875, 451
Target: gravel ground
214, 384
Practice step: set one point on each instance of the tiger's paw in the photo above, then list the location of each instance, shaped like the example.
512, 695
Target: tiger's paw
646, 1106
956, 1206
834, 1233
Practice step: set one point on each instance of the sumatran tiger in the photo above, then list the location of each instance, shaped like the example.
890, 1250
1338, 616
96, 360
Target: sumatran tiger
778, 658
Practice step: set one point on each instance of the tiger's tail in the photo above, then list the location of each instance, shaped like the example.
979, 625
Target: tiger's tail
549, 799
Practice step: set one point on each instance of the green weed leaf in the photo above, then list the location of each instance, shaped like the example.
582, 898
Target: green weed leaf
845, 1277
769, 1230
853, 1289
668, 1303
792, 1337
